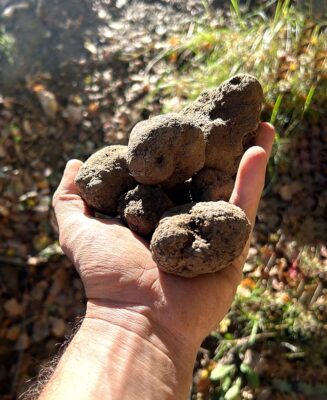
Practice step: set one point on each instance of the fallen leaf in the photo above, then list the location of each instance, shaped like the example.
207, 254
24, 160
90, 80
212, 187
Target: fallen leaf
13, 308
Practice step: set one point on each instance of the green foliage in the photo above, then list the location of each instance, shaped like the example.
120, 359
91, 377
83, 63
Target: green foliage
285, 51
234, 391
221, 372
6, 45
251, 376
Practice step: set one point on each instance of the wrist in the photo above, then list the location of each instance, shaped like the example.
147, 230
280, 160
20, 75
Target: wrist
146, 357
135, 359
108, 361
141, 321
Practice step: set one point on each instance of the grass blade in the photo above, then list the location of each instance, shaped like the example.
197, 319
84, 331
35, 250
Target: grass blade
277, 13
236, 8
276, 109
309, 97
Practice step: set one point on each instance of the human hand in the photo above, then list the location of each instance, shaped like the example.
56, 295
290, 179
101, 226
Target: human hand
124, 286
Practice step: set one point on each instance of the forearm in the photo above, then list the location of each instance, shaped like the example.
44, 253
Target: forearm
107, 361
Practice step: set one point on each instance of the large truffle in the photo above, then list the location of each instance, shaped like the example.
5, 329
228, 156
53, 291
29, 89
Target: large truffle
228, 116
103, 178
195, 239
211, 185
141, 208
167, 149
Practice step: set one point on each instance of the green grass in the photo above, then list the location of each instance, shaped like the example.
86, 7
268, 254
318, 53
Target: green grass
285, 50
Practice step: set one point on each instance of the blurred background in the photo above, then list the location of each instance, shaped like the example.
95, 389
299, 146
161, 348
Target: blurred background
76, 76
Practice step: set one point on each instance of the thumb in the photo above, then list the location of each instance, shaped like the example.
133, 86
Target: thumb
250, 177
66, 201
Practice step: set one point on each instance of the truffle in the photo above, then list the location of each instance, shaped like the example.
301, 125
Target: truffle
199, 238
103, 178
167, 149
141, 208
211, 185
228, 116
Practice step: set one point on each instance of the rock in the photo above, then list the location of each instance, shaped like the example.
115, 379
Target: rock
74, 114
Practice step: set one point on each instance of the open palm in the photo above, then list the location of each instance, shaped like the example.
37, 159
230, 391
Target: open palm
118, 271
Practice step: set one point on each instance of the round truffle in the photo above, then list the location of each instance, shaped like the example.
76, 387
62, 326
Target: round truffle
103, 178
141, 208
199, 238
211, 185
167, 149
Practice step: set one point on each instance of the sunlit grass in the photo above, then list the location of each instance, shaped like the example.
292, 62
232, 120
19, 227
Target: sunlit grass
286, 51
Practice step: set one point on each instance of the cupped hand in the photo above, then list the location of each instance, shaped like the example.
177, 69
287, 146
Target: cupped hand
119, 274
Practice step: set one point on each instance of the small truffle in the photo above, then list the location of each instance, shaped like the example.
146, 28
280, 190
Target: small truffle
103, 178
141, 208
211, 185
167, 149
199, 238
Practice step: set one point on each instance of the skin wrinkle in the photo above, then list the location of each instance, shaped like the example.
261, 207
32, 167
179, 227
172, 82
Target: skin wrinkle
146, 312
146, 337
168, 354
128, 348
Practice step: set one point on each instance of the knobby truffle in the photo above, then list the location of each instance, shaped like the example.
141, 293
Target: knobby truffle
227, 115
211, 185
198, 238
